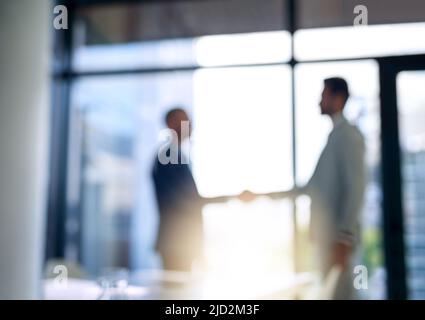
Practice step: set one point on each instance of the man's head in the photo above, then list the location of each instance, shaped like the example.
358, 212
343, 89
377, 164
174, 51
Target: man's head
334, 96
175, 119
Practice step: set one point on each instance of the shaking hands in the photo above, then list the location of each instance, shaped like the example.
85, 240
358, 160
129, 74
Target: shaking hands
247, 196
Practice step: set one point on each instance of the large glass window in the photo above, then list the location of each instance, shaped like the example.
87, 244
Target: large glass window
242, 140
206, 51
243, 131
116, 121
235, 80
411, 107
236, 145
359, 41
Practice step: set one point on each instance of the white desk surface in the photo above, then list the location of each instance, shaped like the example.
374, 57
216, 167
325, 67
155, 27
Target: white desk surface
160, 285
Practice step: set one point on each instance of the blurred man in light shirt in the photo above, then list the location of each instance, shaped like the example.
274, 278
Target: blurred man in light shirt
336, 190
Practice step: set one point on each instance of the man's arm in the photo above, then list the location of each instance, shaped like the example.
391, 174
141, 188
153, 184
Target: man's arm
286, 194
207, 200
249, 196
280, 194
189, 181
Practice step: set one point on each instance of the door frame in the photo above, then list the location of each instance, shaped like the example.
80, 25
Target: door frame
392, 204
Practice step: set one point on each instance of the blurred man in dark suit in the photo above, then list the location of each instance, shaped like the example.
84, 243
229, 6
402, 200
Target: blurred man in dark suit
180, 236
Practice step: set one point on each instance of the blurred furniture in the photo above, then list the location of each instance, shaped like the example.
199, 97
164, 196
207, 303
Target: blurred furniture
166, 285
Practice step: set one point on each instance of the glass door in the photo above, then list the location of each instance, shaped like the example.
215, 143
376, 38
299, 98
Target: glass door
403, 137
411, 118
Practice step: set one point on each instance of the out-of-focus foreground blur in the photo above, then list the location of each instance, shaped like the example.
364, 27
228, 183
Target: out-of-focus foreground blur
85, 86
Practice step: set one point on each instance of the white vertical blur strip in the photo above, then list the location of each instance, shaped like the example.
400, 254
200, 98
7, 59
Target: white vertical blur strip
24, 95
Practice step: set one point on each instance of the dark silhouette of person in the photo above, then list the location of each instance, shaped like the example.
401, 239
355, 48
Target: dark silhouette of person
180, 234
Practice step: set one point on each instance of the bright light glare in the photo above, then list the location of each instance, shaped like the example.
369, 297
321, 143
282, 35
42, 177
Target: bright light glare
265, 47
359, 41
242, 136
248, 247
242, 140
411, 102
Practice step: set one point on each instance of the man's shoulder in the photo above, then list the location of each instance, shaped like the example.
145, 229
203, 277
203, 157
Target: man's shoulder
169, 168
348, 136
157, 166
350, 133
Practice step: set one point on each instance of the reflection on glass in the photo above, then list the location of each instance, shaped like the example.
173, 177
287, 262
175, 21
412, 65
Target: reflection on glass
312, 130
359, 41
411, 104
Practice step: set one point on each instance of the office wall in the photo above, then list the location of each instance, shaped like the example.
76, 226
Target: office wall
334, 13
121, 23
24, 115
